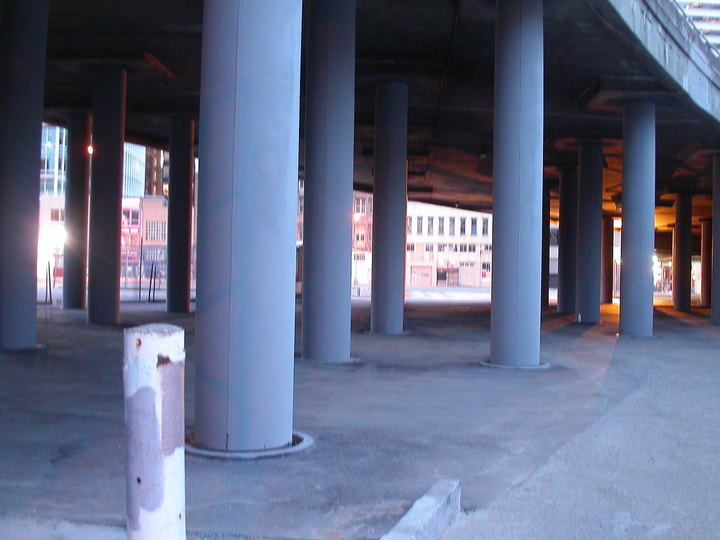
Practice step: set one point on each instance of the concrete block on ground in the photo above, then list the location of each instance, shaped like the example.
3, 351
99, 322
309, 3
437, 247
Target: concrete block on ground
431, 514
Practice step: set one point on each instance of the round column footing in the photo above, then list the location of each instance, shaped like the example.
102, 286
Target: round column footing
38, 347
300, 442
352, 361
490, 364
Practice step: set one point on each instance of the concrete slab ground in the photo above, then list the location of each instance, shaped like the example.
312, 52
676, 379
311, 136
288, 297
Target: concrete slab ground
619, 438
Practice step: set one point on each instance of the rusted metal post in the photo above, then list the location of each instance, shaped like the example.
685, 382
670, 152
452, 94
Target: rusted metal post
154, 377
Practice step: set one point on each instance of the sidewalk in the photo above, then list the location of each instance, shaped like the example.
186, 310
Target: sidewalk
618, 437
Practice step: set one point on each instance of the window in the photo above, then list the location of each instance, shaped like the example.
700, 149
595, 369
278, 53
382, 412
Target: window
473, 226
419, 220
462, 225
430, 226
485, 266
409, 225
130, 218
410, 247
452, 226
485, 222
359, 205
441, 226
429, 248
359, 236
301, 205
463, 248
57, 214
359, 256
156, 231
472, 248
370, 205
442, 247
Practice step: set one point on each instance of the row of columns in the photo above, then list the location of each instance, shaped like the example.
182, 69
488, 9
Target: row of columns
249, 137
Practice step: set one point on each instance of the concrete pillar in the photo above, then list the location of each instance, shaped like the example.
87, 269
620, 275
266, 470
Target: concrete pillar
77, 190
589, 232
567, 240
606, 260
245, 304
329, 157
106, 195
545, 279
638, 215
389, 208
715, 300
682, 252
22, 79
706, 240
154, 391
180, 195
517, 184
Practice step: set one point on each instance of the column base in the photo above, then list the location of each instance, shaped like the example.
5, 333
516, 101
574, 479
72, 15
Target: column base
38, 347
353, 360
490, 364
300, 442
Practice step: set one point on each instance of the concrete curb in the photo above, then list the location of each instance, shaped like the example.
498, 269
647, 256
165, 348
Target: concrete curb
431, 514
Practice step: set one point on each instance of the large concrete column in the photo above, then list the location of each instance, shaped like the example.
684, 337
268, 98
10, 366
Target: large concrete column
638, 215
517, 184
567, 240
606, 260
329, 138
245, 310
706, 240
682, 252
545, 279
182, 169
589, 232
77, 190
106, 195
715, 300
389, 208
22, 79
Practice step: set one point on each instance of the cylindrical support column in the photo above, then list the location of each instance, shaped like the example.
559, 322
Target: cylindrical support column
245, 305
517, 184
545, 280
706, 240
567, 240
389, 208
22, 80
682, 252
589, 232
329, 156
106, 195
715, 300
606, 260
638, 216
77, 190
154, 388
180, 201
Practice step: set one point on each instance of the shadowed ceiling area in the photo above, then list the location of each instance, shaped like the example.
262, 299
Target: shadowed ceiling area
444, 49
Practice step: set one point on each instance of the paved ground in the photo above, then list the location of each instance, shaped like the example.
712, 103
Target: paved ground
619, 438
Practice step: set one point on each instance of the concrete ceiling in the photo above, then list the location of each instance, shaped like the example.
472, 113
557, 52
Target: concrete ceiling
445, 50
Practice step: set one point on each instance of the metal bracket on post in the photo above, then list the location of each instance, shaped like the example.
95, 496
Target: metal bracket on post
154, 383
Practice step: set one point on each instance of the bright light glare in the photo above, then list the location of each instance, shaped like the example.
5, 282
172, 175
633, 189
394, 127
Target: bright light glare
90, 149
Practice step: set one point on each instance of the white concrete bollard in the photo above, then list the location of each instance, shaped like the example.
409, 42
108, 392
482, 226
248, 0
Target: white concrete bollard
154, 378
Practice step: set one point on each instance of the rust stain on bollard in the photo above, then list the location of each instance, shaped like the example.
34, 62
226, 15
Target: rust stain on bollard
146, 491
163, 360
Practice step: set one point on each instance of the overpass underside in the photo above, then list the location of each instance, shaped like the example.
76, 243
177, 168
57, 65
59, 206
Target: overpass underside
581, 111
